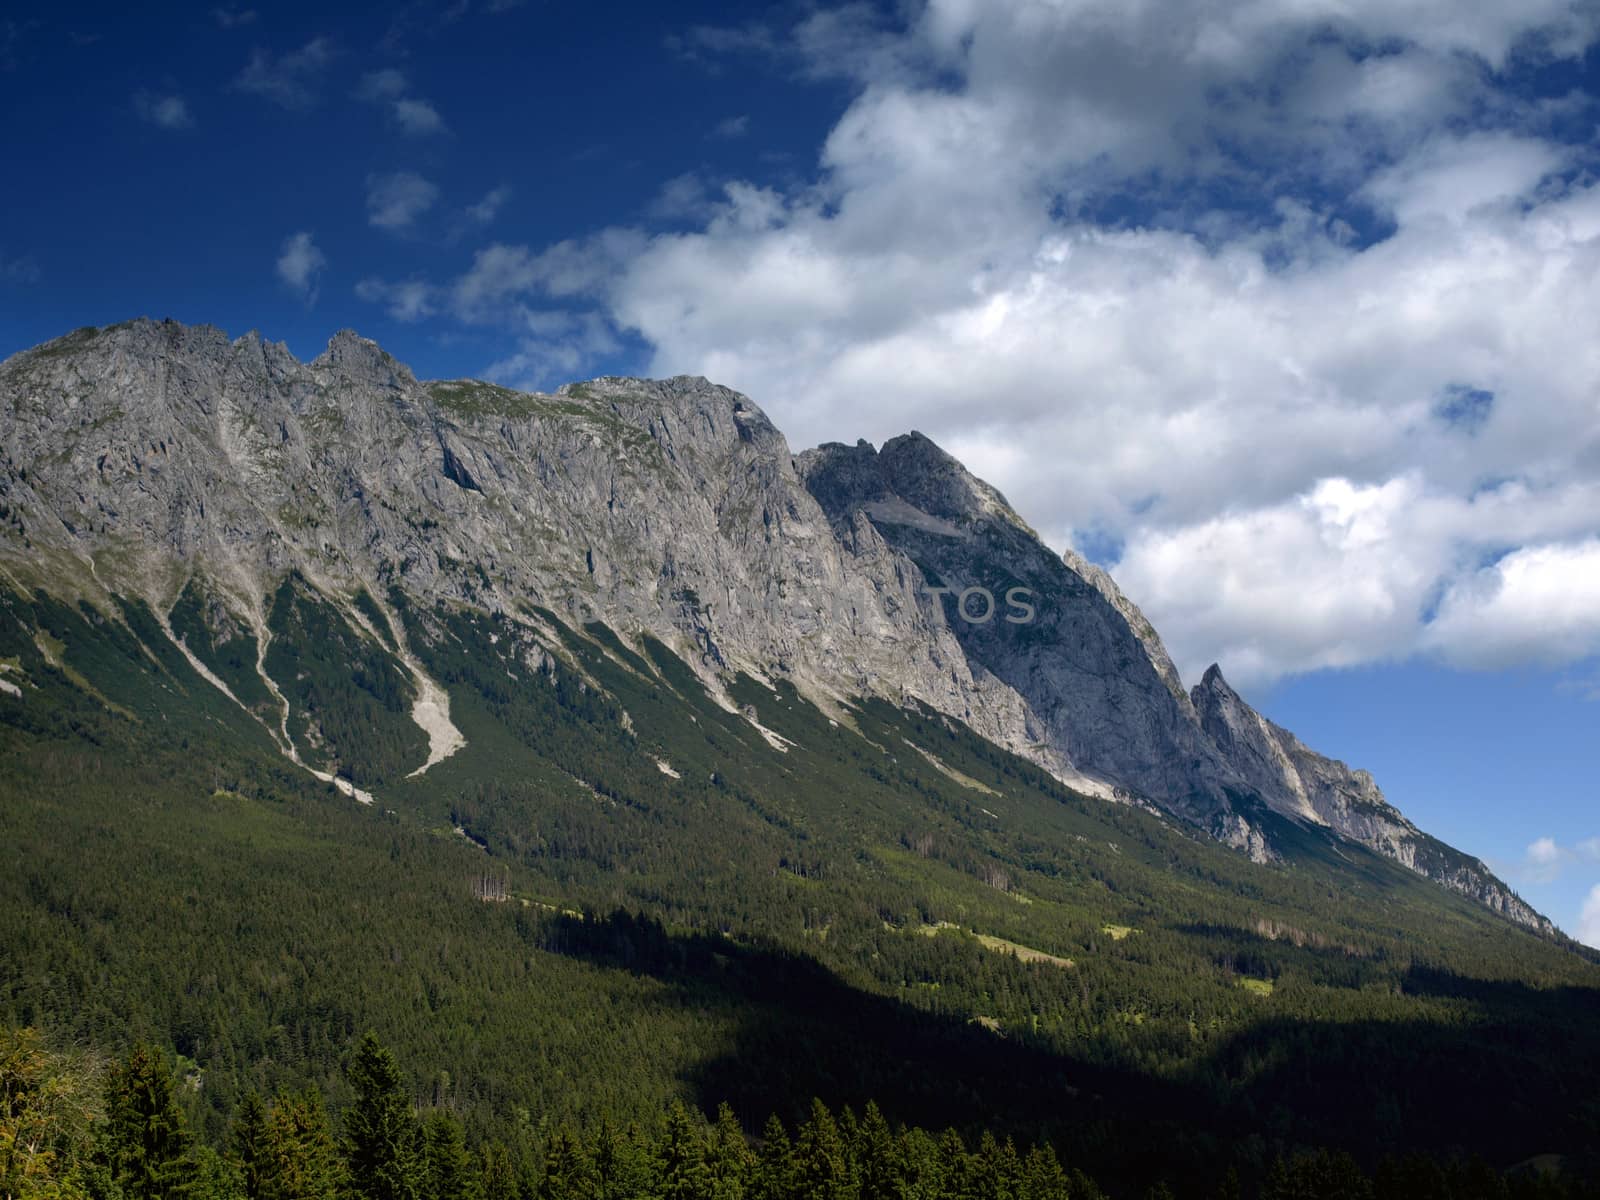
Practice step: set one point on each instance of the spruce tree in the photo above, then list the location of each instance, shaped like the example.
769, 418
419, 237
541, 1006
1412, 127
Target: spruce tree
568, 1172
822, 1160
1042, 1176
681, 1172
301, 1159
380, 1133
622, 1163
147, 1145
498, 1174
447, 1166
878, 1155
729, 1157
774, 1174
247, 1144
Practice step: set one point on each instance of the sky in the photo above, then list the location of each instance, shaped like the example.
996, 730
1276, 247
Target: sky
1284, 312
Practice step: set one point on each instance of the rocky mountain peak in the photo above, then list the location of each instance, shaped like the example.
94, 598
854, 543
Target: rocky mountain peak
351, 358
142, 457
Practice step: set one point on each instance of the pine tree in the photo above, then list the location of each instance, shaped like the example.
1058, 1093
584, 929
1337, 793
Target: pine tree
146, 1143
877, 1154
1228, 1188
301, 1159
822, 1160
774, 1175
957, 1176
447, 1166
380, 1132
497, 1173
729, 1157
1042, 1176
248, 1144
568, 1172
682, 1172
622, 1164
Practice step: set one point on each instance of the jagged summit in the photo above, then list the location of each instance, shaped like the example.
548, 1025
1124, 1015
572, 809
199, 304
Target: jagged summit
146, 458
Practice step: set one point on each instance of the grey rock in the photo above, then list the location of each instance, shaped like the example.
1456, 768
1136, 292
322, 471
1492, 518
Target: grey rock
135, 457
1306, 786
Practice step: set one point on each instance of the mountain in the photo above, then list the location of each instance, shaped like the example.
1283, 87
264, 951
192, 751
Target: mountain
597, 753
232, 489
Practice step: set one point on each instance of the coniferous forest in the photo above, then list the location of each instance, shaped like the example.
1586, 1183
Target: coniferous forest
891, 960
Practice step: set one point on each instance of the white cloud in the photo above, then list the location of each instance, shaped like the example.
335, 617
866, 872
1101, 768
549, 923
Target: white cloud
486, 210
409, 301
387, 84
1124, 259
300, 265
418, 117
388, 87
21, 270
169, 112
394, 202
1546, 860
553, 349
1589, 920
731, 127
289, 80
1450, 177
1538, 604
231, 18
682, 196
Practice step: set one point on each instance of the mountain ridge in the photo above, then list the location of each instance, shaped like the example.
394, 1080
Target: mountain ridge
152, 457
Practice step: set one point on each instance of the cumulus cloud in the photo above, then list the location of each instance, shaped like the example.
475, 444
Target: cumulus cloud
23, 270
390, 89
1588, 931
409, 301
376, 86
168, 112
289, 80
486, 210
1546, 860
418, 116
300, 265
1271, 300
394, 202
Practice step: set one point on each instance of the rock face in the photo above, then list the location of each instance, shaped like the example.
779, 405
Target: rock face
143, 456
1306, 786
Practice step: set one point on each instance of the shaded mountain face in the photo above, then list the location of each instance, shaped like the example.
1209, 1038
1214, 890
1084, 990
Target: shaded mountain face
239, 492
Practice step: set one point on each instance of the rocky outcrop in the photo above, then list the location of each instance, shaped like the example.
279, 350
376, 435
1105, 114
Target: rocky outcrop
1298, 782
139, 457
1025, 617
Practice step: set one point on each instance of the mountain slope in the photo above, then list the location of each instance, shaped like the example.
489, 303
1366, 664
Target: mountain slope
279, 500
615, 651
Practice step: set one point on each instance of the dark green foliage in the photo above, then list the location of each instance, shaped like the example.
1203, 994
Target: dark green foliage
248, 1145
775, 931
350, 702
369, 608
569, 1173
146, 1144
223, 642
447, 1167
682, 1172
729, 1157
302, 1158
381, 1135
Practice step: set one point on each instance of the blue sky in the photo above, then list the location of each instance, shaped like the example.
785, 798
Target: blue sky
1284, 313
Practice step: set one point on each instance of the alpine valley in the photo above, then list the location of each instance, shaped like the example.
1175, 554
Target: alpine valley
598, 751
